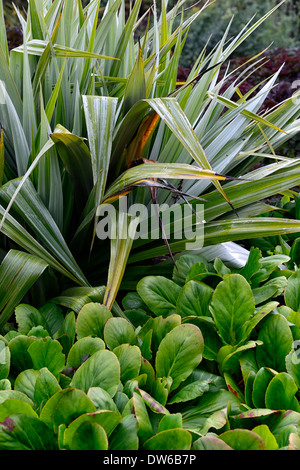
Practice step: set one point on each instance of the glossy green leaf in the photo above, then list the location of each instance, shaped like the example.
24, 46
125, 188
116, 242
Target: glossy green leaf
101, 399
25, 382
232, 306
91, 320
89, 436
14, 406
49, 316
191, 391
260, 385
65, 406
179, 353
130, 359
160, 294
292, 292
195, 418
171, 421
194, 299
269, 439
171, 439
280, 394
82, 349
125, 436
212, 341
25, 432
277, 342
272, 288
20, 358
102, 369
210, 443
243, 439
46, 386
48, 353
108, 420
118, 331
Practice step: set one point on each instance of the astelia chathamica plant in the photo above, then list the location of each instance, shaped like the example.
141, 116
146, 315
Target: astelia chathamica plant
90, 112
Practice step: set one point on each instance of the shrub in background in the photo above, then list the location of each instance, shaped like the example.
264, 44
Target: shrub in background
281, 30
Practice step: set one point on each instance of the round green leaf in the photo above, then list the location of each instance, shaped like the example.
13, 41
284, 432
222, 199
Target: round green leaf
83, 347
26, 432
277, 341
179, 353
159, 294
46, 352
25, 382
232, 306
171, 439
243, 439
269, 439
171, 421
27, 317
91, 320
194, 299
102, 369
280, 394
118, 331
101, 399
210, 443
20, 358
89, 436
13, 406
46, 386
260, 385
212, 341
130, 359
65, 406
6, 394
108, 420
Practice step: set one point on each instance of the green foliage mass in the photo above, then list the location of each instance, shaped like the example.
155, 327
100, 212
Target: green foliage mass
213, 364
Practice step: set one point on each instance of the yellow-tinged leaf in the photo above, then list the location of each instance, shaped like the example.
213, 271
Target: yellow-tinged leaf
139, 144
